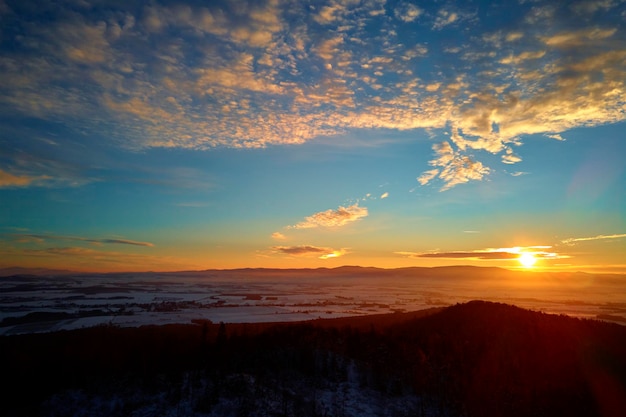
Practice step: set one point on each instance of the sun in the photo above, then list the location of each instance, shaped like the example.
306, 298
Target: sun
527, 259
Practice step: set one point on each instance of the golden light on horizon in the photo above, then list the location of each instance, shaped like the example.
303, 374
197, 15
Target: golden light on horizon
527, 259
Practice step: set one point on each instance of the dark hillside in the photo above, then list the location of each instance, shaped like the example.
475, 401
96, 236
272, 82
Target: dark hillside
474, 359
502, 360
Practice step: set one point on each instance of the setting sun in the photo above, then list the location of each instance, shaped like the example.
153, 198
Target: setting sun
527, 259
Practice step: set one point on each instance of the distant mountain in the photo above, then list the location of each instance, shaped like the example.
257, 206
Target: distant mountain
346, 270
6, 272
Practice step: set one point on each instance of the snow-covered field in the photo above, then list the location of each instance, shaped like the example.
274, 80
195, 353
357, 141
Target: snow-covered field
246, 296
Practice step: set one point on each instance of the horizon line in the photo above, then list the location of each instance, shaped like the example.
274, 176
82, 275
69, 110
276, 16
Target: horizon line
55, 271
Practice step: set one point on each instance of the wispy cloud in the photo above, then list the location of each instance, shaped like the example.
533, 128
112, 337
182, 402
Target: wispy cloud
65, 251
192, 204
91, 259
483, 255
333, 218
32, 237
571, 39
539, 252
175, 177
307, 251
26, 165
121, 242
588, 7
8, 180
574, 240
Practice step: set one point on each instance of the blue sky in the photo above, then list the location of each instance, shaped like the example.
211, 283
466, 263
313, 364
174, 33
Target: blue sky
188, 135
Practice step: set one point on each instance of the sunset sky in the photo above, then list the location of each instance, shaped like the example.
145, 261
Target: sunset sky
176, 135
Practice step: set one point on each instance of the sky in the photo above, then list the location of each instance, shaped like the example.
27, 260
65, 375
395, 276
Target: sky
186, 135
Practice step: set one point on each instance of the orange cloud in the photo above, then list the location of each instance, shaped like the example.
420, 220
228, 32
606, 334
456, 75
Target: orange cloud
245, 87
539, 252
333, 218
8, 180
307, 250
278, 236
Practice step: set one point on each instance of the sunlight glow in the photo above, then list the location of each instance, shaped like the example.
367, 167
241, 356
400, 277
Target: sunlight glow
527, 259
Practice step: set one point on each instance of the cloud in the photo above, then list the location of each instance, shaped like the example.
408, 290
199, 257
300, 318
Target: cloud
333, 218
524, 56
427, 176
540, 14
67, 251
574, 240
334, 254
384, 195
445, 18
510, 158
90, 259
464, 255
306, 250
193, 204
590, 7
455, 167
27, 165
278, 236
8, 180
32, 237
556, 136
513, 36
539, 252
253, 24
572, 39
270, 72
121, 242
328, 14
177, 177
407, 12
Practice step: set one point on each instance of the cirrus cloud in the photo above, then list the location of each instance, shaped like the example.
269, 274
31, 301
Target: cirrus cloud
8, 180
34, 237
574, 240
539, 252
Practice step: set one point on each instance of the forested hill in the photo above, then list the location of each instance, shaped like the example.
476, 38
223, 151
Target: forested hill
473, 359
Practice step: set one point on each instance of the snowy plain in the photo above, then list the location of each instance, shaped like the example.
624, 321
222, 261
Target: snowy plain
44, 303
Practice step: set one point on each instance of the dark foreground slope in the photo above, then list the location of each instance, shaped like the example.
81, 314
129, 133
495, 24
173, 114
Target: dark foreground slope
474, 359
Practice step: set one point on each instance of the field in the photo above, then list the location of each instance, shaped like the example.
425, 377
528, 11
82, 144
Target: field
39, 303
